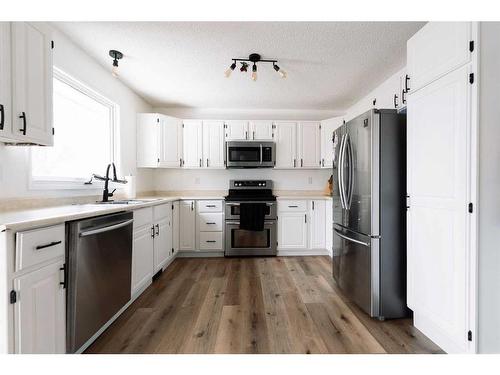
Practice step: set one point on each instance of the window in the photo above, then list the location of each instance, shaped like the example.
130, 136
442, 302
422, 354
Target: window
84, 139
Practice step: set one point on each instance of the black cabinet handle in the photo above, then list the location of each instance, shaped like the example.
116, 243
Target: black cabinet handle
395, 101
210, 241
23, 129
2, 116
210, 223
40, 247
403, 96
301, 162
210, 205
293, 206
407, 79
157, 229
63, 283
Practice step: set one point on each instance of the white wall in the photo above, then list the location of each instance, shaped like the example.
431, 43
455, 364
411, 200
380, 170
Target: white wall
489, 188
14, 166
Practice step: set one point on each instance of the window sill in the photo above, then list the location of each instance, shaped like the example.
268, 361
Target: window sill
96, 186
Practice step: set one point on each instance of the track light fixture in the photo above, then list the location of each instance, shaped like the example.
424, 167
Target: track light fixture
116, 55
253, 58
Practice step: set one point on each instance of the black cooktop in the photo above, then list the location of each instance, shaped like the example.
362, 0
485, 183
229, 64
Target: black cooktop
250, 195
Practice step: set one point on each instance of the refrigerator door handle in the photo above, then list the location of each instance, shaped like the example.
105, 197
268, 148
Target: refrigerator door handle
340, 173
351, 173
343, 195
367, 244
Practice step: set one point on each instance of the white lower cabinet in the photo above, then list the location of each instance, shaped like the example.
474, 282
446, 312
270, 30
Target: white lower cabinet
317, 235
142, 249
292, 230
329, 226
187, 225
175, 227
210, 225
163, 249
40, 311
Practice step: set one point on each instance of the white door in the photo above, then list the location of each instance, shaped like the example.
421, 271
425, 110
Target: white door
329, 226
286, 144
317, 214
142, 257
5, 82
32, 82
309, 145
175, 226
148, 140
236, 130
213, 144
292, 230
192, 144
187, 226
261, 130
40, 311
170, 142
327, 129
438, 223
437, 49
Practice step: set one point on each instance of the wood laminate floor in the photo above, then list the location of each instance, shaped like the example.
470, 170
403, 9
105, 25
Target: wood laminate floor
253, 305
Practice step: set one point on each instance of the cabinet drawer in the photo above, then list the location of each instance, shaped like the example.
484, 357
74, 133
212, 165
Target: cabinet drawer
209, 206
292, 206
142, 217
161, 211
39, 245
210, 240
210, 222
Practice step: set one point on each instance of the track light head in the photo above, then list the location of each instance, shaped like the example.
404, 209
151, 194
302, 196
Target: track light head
244, 67
230, 69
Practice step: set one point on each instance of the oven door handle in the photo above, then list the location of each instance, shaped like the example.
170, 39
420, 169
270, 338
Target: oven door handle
238, 223
237, 204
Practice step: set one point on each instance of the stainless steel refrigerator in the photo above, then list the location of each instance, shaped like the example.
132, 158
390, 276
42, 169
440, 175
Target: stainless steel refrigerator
369, 230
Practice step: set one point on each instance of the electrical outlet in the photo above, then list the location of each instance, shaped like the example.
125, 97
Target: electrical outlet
310, 180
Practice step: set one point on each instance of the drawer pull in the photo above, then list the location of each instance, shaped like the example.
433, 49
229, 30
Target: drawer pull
40, 247
210, 206
293, 206
211, 241
211, 223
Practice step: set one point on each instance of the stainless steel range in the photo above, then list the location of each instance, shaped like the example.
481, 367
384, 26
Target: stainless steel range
244, 194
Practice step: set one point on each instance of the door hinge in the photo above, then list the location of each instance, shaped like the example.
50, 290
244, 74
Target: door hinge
469, 336
13, 296
52, 44
320, 126
53, 131
183, 125
471, 208
172, 207
407, 202
471, 78
471, 46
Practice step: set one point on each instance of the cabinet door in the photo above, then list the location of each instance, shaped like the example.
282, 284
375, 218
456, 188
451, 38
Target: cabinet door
192, 144
327, 129
261, 130
309, 145
148, 140
213, 144
437, 49
170, 142
162, 241
437, 240
175, 226
142, 257
40, 312
32, 82
187, 226
237, 130
292, 230
286, 145
317, 214
5, 82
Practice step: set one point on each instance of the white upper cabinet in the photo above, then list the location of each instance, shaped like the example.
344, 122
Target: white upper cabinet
192, 144
213, 144
327, 129
286, 144
309, 145
437, 218
170, 142
261, 130
148, 140
237, 130
437, 49
40, 312
5, 82
32, 82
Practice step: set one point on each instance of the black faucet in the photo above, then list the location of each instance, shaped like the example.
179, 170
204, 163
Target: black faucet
106, 194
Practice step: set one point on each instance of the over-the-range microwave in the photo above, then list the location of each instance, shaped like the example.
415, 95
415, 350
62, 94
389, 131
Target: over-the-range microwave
250, 154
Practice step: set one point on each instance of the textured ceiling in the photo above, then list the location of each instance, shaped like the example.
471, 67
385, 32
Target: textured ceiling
181, 64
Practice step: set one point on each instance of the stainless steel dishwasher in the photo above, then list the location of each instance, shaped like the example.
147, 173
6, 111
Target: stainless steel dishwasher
99, 259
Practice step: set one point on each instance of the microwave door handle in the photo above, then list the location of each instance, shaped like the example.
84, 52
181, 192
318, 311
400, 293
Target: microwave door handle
261, 153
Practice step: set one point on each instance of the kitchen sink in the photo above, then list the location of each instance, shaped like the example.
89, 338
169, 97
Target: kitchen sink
124, 201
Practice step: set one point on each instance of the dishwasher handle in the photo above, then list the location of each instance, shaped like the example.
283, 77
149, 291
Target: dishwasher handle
106, 229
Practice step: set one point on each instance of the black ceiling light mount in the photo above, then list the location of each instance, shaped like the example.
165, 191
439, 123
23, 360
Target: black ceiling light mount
253, 58
116, 55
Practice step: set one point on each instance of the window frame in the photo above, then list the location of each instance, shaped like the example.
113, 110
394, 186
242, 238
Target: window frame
63, 183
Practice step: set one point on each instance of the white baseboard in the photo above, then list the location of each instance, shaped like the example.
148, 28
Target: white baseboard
200, 254
300, 253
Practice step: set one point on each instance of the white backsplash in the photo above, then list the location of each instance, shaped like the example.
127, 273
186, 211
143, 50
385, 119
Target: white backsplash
199, 179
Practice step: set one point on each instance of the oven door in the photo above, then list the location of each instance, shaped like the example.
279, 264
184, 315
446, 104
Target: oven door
240, 242
232, 210
250, 154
